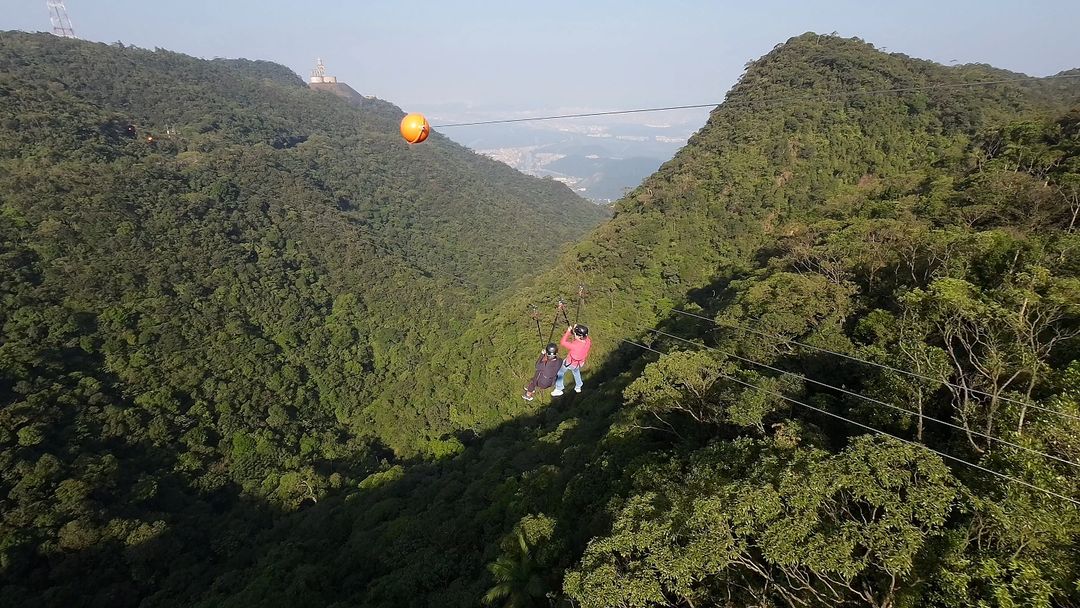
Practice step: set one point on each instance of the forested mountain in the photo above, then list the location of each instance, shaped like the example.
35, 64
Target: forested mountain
843, 204
207, 272
931, 228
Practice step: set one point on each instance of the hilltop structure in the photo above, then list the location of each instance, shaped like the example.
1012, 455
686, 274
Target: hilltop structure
321, 82
318, 75
61, 23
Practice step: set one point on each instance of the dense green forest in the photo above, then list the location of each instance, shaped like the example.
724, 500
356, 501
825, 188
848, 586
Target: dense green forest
933, 229
212, 279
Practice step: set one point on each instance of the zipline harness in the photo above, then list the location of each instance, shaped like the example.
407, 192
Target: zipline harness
560, 310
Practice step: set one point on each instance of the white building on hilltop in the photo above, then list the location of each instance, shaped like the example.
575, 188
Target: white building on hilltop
318, 75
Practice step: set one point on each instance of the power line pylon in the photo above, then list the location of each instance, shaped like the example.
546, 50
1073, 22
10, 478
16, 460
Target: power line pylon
60, 21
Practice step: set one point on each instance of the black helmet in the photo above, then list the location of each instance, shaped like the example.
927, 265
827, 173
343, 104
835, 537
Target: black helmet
551, 350
581, 331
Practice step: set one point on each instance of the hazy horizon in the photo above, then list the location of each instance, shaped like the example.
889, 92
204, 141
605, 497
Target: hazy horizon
477, 61
562, 56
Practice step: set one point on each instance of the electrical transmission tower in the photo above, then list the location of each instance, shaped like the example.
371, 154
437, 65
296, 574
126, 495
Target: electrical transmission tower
61, 23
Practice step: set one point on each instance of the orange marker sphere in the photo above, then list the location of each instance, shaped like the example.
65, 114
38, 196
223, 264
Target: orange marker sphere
415, 128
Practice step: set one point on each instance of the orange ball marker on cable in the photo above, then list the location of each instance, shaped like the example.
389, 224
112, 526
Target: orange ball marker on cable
415, 128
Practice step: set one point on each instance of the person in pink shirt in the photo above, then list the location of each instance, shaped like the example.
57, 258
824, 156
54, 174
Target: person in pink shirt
577, 343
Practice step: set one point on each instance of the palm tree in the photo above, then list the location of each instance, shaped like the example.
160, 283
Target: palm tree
518, 582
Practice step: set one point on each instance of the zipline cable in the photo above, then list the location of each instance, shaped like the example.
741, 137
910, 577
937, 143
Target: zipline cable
871, 399
641, 346
881, 432
539, 333
581, 299
738, 102
582, 115
880, 365
555, 320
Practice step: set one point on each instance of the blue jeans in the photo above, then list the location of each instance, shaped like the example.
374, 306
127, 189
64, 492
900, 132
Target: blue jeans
562, 372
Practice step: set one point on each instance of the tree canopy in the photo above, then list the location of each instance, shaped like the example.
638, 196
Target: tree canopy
233, 375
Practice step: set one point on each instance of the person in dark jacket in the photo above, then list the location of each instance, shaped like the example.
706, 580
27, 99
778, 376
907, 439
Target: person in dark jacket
547, 367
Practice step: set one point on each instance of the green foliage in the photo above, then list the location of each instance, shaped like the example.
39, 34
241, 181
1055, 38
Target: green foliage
437, 449
382, 477
955, 259
217, 348
703, 388
519, 571
216, 287
803, 528
684, 382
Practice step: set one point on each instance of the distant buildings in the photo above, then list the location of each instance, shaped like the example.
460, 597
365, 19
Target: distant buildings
320, 81
318, 75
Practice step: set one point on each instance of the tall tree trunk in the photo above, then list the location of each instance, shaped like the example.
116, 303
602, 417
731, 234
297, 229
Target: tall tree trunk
1024, 408
919, 428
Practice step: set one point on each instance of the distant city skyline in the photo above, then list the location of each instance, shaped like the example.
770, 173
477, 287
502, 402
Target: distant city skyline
559, 55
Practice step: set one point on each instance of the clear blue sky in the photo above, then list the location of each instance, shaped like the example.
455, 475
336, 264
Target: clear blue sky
557, 54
